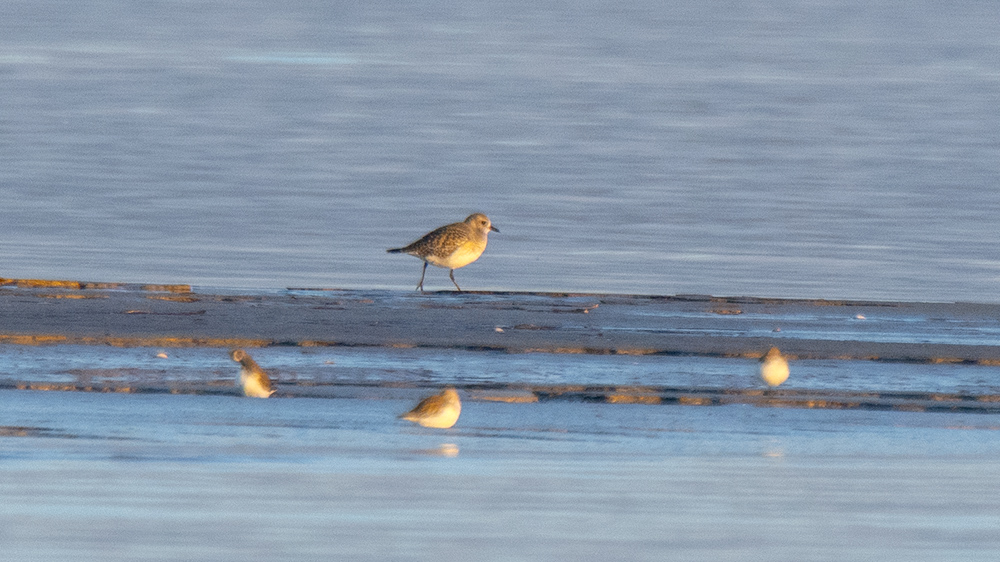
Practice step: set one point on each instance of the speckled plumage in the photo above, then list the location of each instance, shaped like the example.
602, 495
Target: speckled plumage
439, 411
452, 246
253, 379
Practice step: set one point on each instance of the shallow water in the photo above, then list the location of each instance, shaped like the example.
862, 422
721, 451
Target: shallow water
811, 149
345, 372
110, 476
177, 465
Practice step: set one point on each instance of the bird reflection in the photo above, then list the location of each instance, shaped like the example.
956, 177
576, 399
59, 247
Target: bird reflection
447, 450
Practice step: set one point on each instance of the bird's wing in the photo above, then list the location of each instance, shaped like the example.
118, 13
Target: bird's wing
265, 381
442, 241
429, 405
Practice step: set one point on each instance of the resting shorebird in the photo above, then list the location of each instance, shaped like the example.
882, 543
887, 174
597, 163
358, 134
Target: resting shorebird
452, 246
773, 368
439, 411
253, 379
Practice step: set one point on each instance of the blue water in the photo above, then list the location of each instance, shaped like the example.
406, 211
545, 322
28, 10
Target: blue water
94, 476
376, 372
813, 149
787, 149
326, 470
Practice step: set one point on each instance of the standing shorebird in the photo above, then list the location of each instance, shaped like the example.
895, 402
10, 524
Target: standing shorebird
439, 411
773, 368
253, 379
452, 246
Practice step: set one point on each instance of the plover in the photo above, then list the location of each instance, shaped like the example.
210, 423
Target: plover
773, 368
253, 379
452, 246
438, 411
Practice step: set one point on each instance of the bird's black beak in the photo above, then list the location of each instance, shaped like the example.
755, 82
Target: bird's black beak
494, 229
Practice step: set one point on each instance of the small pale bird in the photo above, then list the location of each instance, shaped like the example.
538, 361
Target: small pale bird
253, 379
773, 368
452, 246
439, 411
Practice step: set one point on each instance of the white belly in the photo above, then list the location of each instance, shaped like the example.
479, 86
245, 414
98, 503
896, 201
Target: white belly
463, 256
252, 386
774, 371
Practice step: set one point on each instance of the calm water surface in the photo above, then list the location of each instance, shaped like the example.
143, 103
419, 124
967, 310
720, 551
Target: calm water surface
802, 149
91, 476
816, 149
203, 473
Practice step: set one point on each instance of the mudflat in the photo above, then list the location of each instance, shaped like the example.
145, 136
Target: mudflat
48, 312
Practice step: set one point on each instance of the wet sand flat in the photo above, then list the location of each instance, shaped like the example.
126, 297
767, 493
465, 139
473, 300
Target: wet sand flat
515, 322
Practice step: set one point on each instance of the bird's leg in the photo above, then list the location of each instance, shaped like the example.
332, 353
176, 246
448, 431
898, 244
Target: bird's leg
420, 286
451, 273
